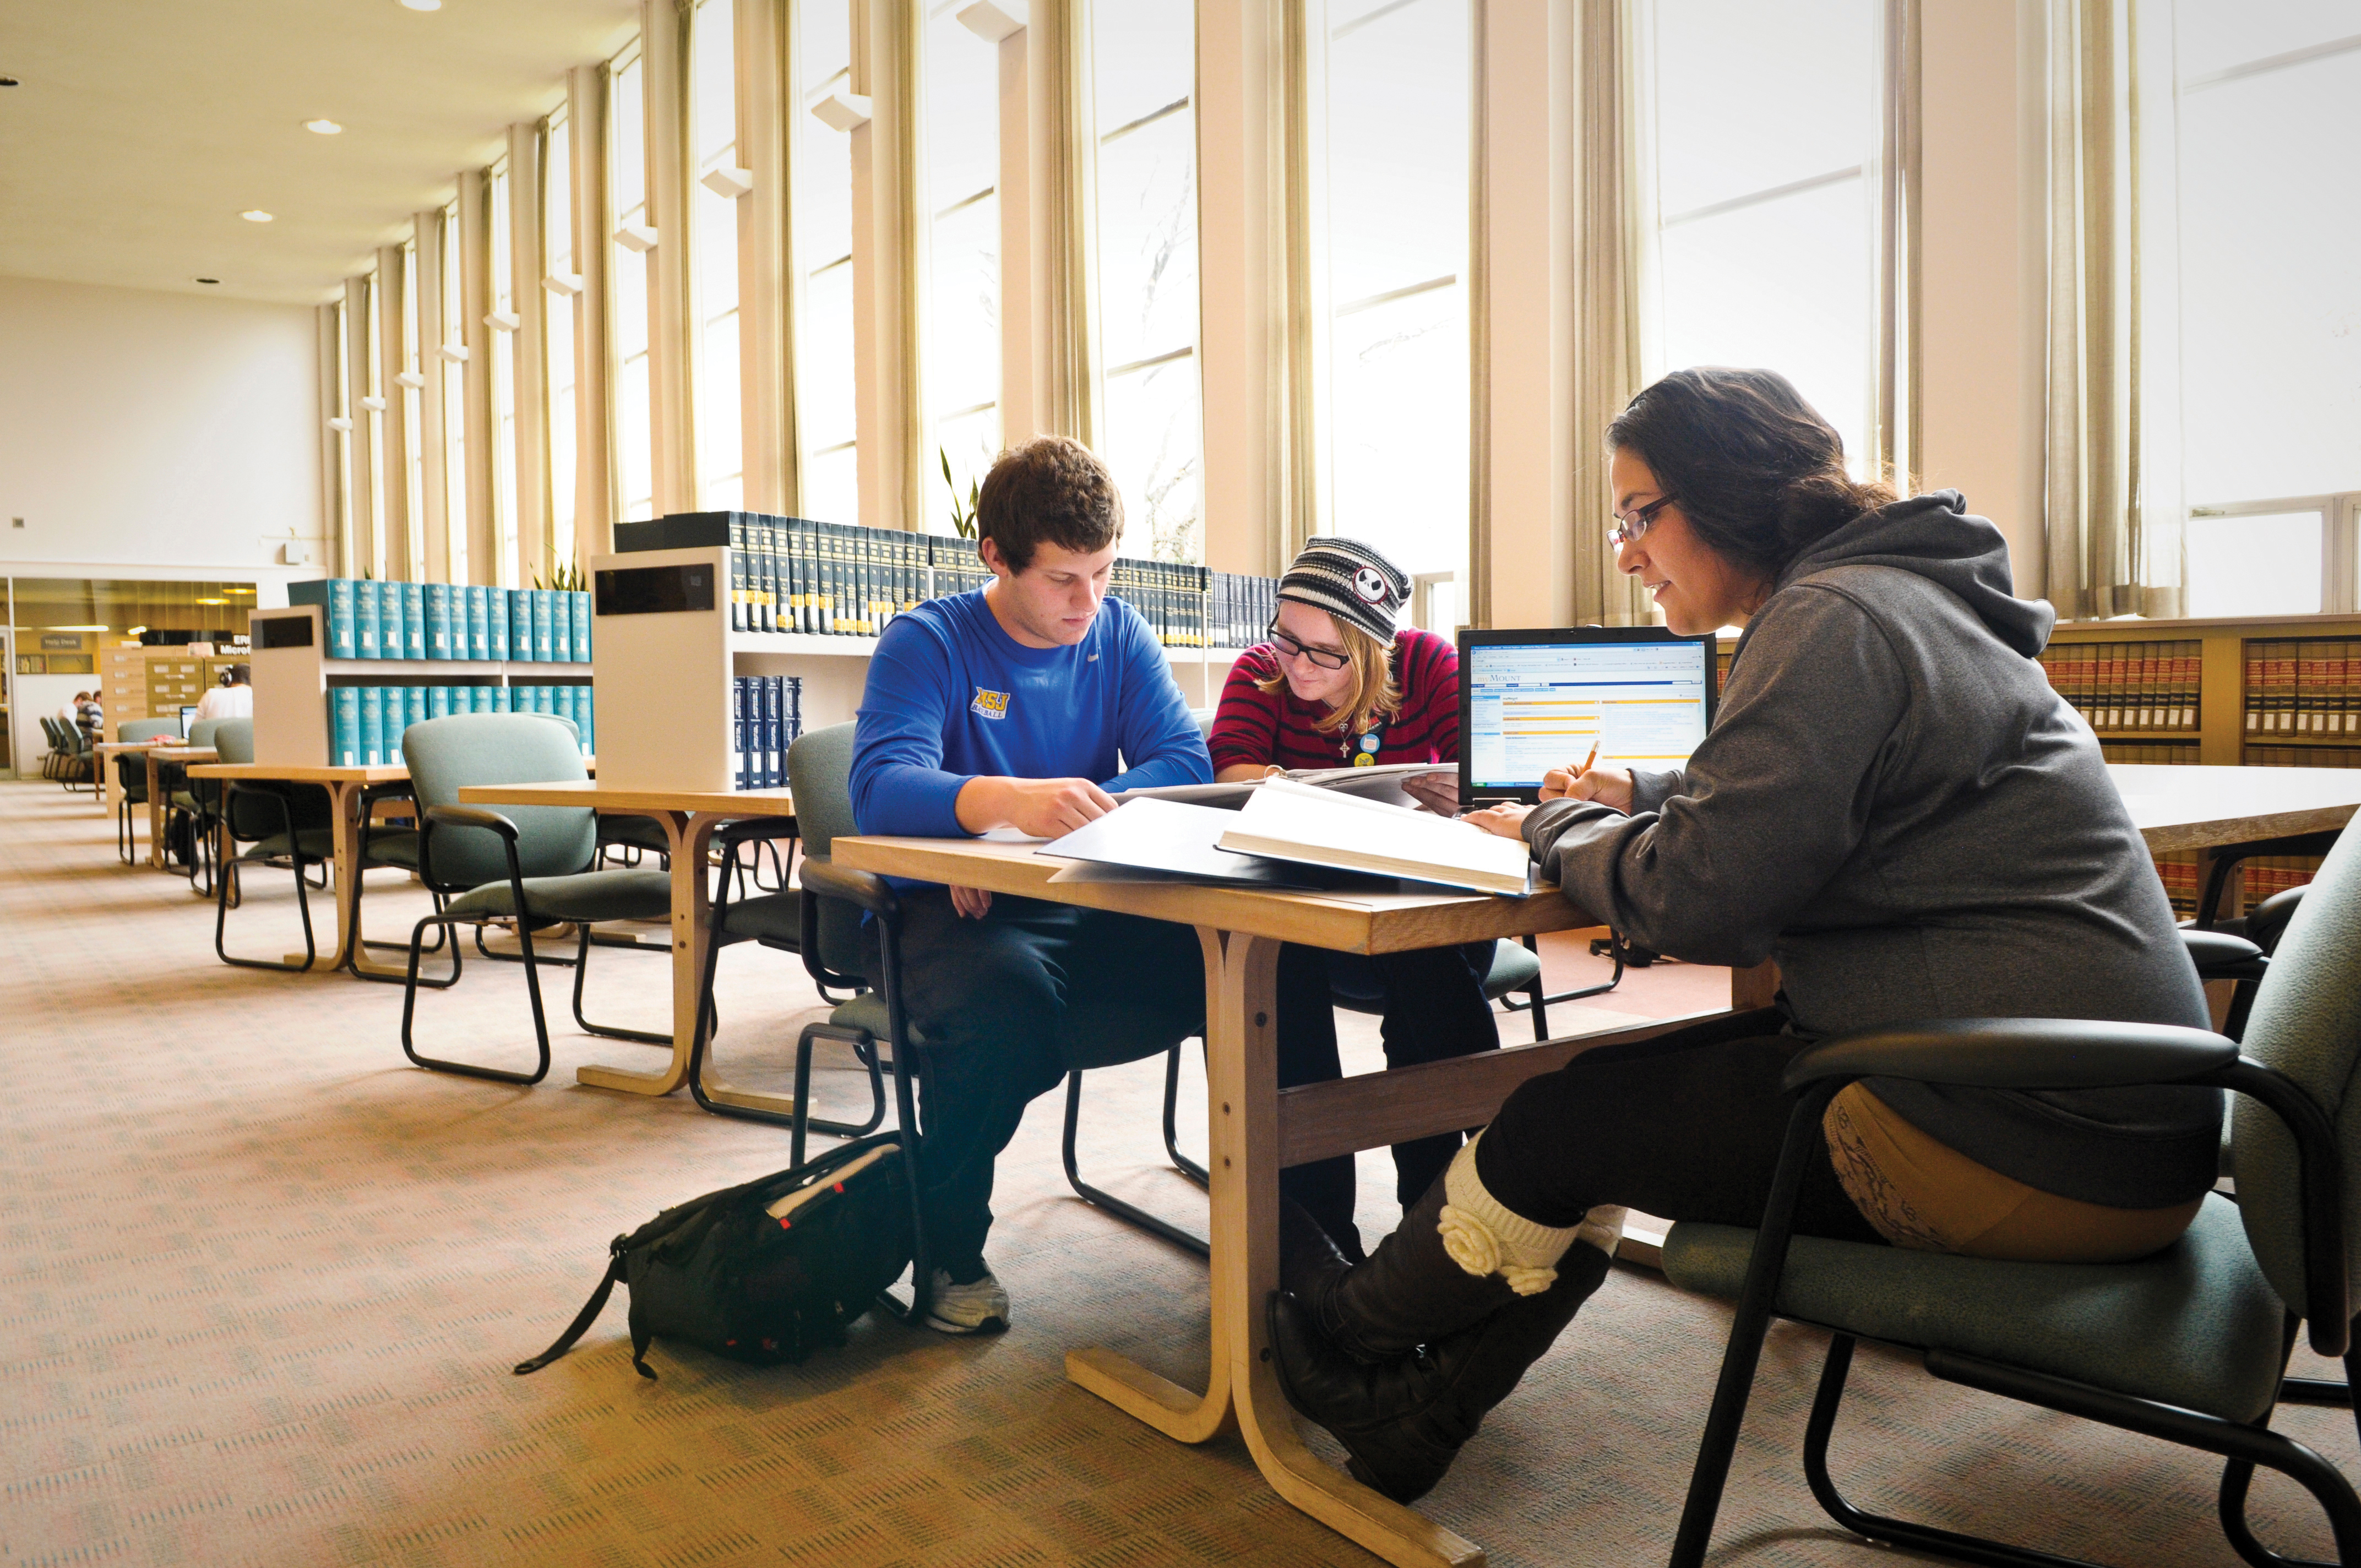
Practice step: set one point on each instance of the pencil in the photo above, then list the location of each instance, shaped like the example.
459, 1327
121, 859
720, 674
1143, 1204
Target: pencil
1587, 761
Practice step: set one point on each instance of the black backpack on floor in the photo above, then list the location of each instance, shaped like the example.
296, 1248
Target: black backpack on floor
766, 1272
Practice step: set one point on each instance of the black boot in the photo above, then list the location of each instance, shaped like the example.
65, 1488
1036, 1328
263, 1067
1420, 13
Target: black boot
1403, 1423
1409, 1293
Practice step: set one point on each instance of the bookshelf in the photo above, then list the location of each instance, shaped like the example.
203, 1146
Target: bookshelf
299, 686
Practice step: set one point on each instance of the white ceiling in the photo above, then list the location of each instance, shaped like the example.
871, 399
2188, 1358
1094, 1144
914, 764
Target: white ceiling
142, 129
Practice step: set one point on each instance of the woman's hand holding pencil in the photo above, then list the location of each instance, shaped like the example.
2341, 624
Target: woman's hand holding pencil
1608, 786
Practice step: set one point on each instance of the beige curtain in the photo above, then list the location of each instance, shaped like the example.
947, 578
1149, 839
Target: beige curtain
1607, 303
1898, 441
2109, 551
1069, 403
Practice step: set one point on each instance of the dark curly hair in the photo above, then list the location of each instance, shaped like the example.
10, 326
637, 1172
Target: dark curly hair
1054, 488
1755, 469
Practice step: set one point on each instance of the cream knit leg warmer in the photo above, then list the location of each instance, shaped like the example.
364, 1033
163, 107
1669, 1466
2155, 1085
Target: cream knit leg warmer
1482, 1236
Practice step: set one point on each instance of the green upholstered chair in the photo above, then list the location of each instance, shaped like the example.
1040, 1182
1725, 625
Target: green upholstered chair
2189, 1344
197, 800
131, 779
281, 825
524, 866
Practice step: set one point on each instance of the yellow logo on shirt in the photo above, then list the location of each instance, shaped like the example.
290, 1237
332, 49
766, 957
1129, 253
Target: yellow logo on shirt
989, 703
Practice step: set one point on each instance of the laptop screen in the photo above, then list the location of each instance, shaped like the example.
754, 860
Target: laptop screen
1531, 701
188, 716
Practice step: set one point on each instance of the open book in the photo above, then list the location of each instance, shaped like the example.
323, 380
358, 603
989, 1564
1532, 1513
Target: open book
1174, 839
1284, 820
1379, 784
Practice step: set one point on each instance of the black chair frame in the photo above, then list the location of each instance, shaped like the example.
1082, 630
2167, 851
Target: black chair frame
2126, 1055
229, 894
1132, 1213
2221, 862
127, 839
1616, 948
761, 833
477, 816
397, 789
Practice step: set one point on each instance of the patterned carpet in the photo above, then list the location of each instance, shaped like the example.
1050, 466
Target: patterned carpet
265, 1282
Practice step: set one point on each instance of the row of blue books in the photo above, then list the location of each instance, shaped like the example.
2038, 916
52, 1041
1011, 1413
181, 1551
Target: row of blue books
370, 620
766, 717
366, 723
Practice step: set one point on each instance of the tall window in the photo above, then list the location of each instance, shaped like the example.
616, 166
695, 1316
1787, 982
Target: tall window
504, 323
373, 408
1143, 61
1764, 122
454, 372
340, 399
2268, 308
1393, 262
713, 251
962, 342
413, 416
627, 286
821, 194
558, 294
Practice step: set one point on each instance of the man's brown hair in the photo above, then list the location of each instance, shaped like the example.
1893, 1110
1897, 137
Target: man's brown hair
1052, 489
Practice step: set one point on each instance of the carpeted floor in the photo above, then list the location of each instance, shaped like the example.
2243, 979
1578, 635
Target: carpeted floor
265, 1281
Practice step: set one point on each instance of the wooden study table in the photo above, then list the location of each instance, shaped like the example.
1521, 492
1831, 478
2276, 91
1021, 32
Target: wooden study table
344, 786
1254, 1129
689, 817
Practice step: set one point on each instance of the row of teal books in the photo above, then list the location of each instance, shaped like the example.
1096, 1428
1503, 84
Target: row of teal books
370, 620
366, 723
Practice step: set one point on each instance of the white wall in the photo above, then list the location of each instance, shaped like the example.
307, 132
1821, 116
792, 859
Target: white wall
150, 434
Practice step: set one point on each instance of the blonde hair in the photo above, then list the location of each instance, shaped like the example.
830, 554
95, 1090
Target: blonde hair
1373, 695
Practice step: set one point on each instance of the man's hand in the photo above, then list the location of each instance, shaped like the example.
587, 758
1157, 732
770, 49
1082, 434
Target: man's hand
971, 902
1508, 820
1438, 793
1039, 808
1607, 786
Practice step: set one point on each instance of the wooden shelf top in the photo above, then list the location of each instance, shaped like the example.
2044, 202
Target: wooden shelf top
609, 798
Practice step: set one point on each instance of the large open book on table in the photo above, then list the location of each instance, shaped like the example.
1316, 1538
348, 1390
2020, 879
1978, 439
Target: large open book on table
1383, 783
1155, 839
1288, 821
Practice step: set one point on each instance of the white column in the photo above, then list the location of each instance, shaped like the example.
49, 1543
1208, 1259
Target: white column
1982, 273
885, 265
394, 525
364, 493
766, 121
1522, 326
474, 302
663, 68
434, 513
1022, 402
594, 499
531, 392
332, 474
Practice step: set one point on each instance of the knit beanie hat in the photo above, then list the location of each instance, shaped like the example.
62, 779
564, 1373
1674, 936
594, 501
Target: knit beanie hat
1351, 581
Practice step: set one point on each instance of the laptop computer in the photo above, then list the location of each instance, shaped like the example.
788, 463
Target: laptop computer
1531, 701
188, 716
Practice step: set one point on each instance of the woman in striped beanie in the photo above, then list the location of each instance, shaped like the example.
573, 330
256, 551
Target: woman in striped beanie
1337, 684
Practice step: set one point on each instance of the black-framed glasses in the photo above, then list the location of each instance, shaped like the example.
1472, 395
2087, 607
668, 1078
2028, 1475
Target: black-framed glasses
1289, 648
1630, 525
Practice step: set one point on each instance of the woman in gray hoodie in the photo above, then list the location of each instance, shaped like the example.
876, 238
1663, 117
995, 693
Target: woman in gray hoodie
1894, 805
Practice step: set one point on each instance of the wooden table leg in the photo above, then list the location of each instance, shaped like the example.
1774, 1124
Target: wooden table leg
155, 814
1242, 1113
689, 836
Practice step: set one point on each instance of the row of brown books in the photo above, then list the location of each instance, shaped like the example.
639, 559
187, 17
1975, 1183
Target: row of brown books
2304, 756
2185, 879
2307, 687
2128, 685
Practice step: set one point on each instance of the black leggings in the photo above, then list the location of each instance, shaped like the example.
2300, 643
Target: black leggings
1686, 1126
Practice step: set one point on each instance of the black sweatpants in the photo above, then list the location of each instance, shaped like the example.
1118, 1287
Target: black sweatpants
1686, 1126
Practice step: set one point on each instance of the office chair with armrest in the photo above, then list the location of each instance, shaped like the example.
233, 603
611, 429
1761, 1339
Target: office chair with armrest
524, 866
131, 779
287, 824
2189, 1344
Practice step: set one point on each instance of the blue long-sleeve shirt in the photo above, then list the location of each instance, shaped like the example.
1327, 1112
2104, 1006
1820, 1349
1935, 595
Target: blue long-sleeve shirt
951, 696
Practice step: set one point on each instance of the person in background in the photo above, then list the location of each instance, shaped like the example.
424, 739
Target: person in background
1895, 805
72, 711
1006, 707
1337, 685
88, 713
234, 698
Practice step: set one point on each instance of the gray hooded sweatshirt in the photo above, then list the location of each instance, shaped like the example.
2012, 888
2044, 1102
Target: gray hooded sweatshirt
1894, 805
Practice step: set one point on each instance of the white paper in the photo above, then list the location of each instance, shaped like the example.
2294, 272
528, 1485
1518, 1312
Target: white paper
1291, 821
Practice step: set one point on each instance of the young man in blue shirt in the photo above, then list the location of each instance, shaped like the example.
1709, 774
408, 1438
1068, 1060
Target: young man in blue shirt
1006, 707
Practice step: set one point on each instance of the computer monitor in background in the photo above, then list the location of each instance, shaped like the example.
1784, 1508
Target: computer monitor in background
188, 716
1531, 701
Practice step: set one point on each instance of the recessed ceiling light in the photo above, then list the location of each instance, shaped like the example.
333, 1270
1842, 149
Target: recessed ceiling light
323, 127
423, 4
255, 216
209, 280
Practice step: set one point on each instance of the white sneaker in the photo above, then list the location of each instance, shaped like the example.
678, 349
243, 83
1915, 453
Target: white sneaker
967, 1309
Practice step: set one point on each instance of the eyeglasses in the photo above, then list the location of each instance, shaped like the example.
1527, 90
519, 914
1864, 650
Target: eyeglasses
1630, 525
1286, 647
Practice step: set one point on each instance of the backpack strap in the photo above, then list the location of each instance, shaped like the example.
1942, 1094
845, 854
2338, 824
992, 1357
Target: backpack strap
586, 1316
